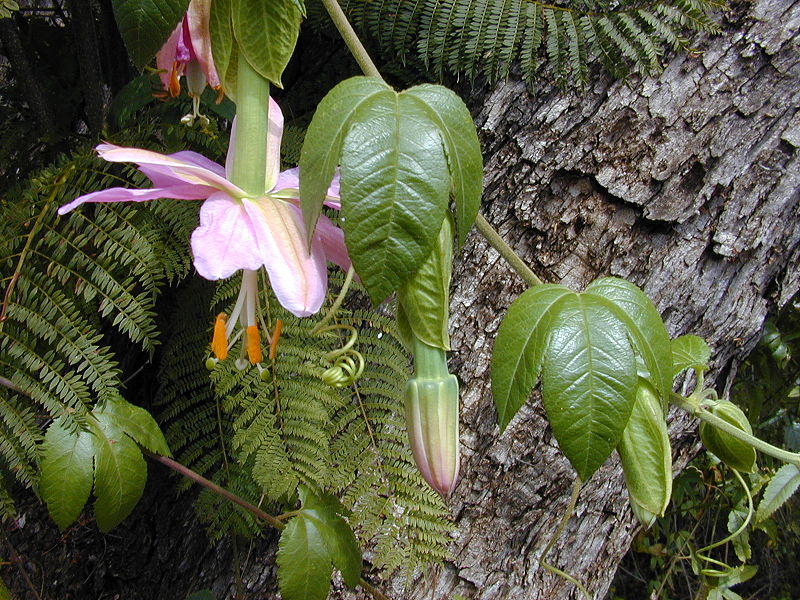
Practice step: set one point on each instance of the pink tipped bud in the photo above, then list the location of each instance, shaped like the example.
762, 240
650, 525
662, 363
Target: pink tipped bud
432, 423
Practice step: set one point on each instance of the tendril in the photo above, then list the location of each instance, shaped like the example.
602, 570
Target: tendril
576, 488
701, 554
345, 364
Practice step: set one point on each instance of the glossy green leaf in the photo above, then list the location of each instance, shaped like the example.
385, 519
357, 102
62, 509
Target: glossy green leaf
266, 33
733, 452
223, 46
304, 564
395, 186
646, 454
137, 423
326, 512
120, 472
588, 381
519, 348
424, 299
146, 24
646, 328
66, 472
780, 488
452, 117
689, 352
323, 141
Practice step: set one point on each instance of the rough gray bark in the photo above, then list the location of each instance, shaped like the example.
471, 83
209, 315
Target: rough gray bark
687, 184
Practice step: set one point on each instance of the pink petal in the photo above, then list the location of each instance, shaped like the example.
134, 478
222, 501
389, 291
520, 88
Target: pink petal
165, 58
332, 240
197, 17
188, 167
183, 191
274, 134
290, 179
225, 240
298, 278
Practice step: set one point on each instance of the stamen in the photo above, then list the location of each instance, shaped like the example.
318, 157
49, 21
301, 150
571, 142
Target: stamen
219, 341
253, 342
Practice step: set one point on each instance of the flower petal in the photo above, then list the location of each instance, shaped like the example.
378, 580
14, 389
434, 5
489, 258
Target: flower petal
274, 134
197, 17
332, 240
187, 166
184, 191
225, 240
299, 279
290, 180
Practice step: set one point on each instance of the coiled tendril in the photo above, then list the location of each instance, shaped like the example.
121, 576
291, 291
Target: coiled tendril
346, 364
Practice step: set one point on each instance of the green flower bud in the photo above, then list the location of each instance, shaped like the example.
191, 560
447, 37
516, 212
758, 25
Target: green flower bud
733, 452
432, 423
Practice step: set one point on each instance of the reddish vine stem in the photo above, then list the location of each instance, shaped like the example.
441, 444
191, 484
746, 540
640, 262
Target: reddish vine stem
197, 478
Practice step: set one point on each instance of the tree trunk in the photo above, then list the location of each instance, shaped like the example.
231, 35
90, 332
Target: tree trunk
688, 185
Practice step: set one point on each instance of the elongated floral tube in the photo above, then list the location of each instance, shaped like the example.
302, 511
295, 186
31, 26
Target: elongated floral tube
431, 399
432, 394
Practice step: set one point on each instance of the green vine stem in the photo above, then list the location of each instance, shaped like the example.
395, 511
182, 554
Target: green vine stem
573, 500
760, 445
701, 554
511, 257
351, 38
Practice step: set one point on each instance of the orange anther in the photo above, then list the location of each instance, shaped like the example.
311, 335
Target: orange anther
253, 342
219, 340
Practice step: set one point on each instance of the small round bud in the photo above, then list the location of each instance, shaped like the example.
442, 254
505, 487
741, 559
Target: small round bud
211, 363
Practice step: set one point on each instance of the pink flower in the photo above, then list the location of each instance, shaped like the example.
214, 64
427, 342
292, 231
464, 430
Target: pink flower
188, 52
237, 231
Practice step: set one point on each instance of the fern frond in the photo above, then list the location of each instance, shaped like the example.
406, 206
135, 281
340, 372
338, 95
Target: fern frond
69, 285
484, 37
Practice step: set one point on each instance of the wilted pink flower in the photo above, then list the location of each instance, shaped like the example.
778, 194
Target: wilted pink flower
188, 52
